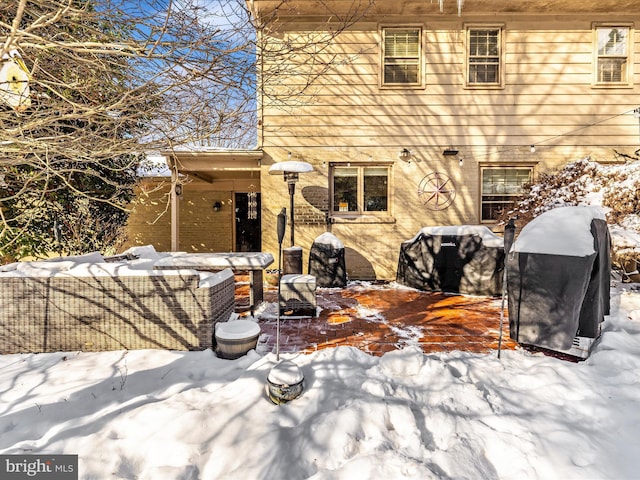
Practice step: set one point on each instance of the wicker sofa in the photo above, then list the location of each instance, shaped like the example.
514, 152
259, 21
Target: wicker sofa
75, 305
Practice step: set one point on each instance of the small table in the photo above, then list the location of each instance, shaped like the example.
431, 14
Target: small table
252, 262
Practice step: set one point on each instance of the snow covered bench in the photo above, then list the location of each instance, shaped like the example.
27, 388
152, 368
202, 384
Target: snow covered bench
82, 303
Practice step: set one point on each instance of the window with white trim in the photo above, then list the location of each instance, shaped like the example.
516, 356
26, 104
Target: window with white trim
501, 186
402, 56
484, 56
362, 189
612, 55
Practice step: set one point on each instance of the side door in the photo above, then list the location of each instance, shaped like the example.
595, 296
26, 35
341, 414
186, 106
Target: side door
248, 232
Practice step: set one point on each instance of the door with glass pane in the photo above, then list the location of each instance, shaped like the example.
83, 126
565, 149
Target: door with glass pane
247, 222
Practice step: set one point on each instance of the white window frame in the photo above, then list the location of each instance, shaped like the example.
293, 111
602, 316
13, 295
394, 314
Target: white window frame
627, 70
360, 210
505, 191
417, 59
500, 81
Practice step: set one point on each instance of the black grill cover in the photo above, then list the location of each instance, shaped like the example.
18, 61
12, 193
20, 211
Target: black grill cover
558, 275
327, 261
463, 259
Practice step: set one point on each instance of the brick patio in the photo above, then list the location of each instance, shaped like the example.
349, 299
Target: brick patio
378, 318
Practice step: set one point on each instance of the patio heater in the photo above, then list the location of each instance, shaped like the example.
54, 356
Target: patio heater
291, 171
285, 381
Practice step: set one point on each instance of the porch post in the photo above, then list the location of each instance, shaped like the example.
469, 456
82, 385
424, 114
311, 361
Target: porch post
175, 213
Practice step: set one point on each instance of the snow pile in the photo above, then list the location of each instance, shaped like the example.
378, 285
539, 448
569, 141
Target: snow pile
134, 262
190, 415
612, 186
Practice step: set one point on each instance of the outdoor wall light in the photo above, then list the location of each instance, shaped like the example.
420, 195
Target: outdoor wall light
533, 149
178, 189
405, 155
217, 206
450, 152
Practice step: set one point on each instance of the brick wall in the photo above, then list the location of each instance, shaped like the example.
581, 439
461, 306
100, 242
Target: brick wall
150, 218
201, 228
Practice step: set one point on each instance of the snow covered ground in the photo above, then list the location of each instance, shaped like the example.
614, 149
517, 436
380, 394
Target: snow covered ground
190, 415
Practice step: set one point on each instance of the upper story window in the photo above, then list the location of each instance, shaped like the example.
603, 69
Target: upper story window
484, 59
402, 56
612, 55
359, 189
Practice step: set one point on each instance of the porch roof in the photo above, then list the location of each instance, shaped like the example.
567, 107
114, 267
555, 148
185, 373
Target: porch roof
210, 165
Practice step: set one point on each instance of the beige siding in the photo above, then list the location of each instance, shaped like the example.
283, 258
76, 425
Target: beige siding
548, 100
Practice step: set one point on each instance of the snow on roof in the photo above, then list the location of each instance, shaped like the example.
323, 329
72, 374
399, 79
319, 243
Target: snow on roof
561, 231
188, 148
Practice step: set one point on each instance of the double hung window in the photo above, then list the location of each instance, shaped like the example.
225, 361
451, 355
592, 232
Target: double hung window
612, 55
402, 56
484, 56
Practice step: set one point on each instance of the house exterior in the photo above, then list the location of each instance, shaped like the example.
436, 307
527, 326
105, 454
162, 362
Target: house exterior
205, 200
423, 113
428, 117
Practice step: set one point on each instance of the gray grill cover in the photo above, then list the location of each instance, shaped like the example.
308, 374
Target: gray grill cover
558, 275
327, 261
462, 259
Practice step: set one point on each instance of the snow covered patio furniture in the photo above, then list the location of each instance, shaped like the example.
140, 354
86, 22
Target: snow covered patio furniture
235, 338
558, 280
253, 262
74, 304
465, 259
298, 294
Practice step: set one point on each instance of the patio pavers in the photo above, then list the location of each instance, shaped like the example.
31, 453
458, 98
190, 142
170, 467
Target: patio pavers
378, 318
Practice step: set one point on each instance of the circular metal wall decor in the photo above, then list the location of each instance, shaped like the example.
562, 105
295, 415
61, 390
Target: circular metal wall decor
436, 191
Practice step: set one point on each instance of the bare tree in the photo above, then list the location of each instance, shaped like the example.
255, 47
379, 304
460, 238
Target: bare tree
110, 79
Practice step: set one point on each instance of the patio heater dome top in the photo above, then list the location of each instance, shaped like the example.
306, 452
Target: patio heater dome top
290, 166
